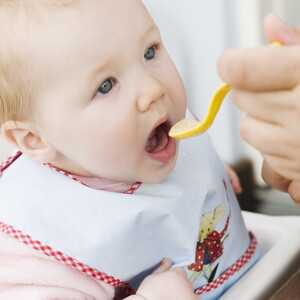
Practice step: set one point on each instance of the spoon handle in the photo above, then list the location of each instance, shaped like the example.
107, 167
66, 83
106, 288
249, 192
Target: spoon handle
214, 107
187, 128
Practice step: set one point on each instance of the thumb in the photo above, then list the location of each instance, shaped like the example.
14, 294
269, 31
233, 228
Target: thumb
166, 264
276, 30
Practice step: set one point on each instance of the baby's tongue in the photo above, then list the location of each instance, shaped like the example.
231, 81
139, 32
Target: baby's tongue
157, 141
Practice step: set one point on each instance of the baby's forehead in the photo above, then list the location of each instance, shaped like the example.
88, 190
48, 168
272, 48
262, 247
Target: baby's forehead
66, 34
36, 18
107, 12
65, 25
39, 10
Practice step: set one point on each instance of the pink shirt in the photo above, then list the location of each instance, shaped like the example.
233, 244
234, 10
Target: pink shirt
28, 274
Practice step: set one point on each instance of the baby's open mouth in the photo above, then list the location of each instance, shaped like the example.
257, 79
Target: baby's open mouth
160, 147
158, 139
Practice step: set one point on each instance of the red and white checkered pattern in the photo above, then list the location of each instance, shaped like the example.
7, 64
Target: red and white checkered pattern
9, 160
59, 256
15, 155
232, 270
134, 187
75, 264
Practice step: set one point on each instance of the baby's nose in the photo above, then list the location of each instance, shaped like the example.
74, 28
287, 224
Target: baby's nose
151, 91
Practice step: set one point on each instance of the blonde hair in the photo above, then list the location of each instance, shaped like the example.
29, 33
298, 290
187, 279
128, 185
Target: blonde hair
17, 83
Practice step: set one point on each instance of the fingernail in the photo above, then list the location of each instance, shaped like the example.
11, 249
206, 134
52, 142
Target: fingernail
165, 260
289, 34
284, 26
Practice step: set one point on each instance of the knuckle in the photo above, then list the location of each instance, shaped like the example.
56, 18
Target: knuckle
244, 129
241, 74
179, 271
236, 97
223, 62
295, 103
294, 71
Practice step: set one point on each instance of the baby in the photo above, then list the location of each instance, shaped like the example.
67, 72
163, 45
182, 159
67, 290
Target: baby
98, 194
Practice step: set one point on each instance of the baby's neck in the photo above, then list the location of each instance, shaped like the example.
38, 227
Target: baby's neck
104, 184
100, 183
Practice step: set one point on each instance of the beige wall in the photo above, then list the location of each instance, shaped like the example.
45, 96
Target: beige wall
250, 14
287, 9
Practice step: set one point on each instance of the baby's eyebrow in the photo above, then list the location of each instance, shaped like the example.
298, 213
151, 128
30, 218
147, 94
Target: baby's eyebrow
152, 29
100, 67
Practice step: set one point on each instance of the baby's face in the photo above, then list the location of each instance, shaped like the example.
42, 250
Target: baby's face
110, 92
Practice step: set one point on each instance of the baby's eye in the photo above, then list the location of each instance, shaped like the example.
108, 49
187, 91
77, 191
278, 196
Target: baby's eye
106, 86
150, 52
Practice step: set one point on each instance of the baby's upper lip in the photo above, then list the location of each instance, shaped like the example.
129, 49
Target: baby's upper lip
161, 120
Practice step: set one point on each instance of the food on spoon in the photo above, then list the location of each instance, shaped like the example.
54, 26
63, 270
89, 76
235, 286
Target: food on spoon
182, 126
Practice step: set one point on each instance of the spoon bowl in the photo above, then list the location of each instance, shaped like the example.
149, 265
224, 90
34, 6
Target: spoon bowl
187, 128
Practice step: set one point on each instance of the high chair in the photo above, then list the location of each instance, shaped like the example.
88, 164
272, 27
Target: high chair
279, 242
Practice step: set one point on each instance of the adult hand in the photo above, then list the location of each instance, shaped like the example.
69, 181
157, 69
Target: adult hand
266, 85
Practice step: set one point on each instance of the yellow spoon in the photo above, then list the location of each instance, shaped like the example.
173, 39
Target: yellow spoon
187, 128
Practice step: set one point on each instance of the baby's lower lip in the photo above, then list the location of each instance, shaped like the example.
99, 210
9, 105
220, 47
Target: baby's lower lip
166, 154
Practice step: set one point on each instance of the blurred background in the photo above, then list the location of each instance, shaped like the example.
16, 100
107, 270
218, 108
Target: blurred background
196, 32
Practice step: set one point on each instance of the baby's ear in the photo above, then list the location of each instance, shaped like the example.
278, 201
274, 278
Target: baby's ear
22, 135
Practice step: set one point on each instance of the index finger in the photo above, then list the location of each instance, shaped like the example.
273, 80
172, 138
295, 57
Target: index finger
263, 68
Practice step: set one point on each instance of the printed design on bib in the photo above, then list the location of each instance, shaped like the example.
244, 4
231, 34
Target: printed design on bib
236, 267
209, 246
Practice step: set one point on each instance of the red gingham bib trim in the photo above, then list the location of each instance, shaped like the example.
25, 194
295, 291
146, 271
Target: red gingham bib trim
9, 161
134, 187
232, 270
59, 256
13, 157
100, 276
63, 258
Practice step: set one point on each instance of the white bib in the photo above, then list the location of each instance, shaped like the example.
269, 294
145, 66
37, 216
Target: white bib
126, 236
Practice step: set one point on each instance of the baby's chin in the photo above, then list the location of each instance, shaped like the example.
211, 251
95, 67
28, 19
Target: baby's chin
159, 175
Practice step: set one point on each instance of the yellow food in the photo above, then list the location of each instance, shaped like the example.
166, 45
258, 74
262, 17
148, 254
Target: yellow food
187, 128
